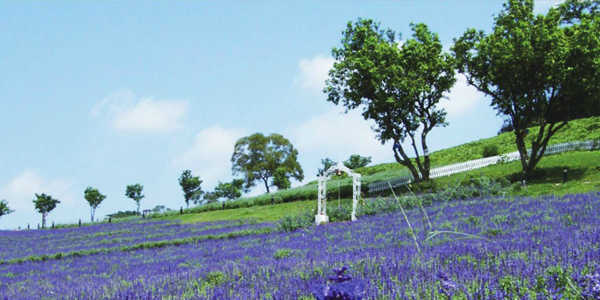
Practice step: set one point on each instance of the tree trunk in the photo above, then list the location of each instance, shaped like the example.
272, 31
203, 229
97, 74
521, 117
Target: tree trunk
93, 211
405, 161
426, 160
522, 148
266, 181
43, 220
538, 147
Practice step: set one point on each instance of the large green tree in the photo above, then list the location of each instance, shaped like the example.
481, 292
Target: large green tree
536, 69
191, 187
134, 191
258, 157
4, 209
398, 86
44, 204
94, 198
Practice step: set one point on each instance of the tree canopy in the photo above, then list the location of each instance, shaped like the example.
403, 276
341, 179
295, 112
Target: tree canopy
327, 163
134, 191
397, 85
357, 161
191, 187
536, 69
229, 190
94, 198
44, 204
258, 158
4, 209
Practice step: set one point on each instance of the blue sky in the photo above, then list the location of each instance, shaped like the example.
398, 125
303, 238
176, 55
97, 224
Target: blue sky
107, 94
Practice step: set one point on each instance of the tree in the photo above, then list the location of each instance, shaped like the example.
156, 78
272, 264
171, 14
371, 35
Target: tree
257, 157
356, 161
327, 163
190, 186
210, 197
229, 190
135, 193
44, 204
537, 69
281, 180
4, 209
398, 87
94, 198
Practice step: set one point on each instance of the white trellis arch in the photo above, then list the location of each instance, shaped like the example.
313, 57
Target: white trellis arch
321, 216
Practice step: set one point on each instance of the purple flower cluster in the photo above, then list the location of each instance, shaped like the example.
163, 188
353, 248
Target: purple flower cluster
340, 289
528, 248
590, 284
43, 242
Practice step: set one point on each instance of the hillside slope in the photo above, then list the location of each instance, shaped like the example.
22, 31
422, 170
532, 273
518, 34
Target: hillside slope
577, 130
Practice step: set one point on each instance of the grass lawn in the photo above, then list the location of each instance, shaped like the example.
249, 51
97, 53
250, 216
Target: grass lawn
583, 174
265, 213
583, 170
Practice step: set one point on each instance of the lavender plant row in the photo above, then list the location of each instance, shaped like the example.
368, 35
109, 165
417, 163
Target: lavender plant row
14, 245
497, 248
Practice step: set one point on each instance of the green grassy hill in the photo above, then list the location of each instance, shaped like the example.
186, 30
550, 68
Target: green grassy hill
583, 172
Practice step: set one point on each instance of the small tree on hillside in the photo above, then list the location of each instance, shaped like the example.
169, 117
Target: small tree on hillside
210, 197
44, 204
135, 193
191, 187
4, 209
356, 161
258, 157
94, 198
327, 163
229, 190
281, 180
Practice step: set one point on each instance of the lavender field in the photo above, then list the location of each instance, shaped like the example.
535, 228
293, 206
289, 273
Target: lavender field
495, 248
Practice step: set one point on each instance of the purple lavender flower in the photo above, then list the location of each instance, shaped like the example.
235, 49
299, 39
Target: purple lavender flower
339, 276
340, 289
447, 286
591, 286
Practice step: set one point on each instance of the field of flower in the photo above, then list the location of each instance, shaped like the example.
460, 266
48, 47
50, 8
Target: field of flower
493, 248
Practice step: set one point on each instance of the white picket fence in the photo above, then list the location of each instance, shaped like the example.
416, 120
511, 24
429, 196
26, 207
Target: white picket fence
482, 162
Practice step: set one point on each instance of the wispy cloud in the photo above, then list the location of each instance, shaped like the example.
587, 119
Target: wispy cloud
210, 154
128, 112
314, 71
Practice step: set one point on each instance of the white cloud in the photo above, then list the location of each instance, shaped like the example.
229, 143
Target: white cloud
127, 112
462, 99
22, 189
20, 193
314, 71
337, 136
210, 155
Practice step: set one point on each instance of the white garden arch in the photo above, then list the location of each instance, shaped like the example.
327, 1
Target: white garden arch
321, 216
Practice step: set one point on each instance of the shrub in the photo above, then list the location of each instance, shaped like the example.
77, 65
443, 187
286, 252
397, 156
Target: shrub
339, 213
123, 214
290, 223
282, 253
490, 150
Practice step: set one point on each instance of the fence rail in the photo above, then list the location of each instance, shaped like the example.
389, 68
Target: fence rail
482, 162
